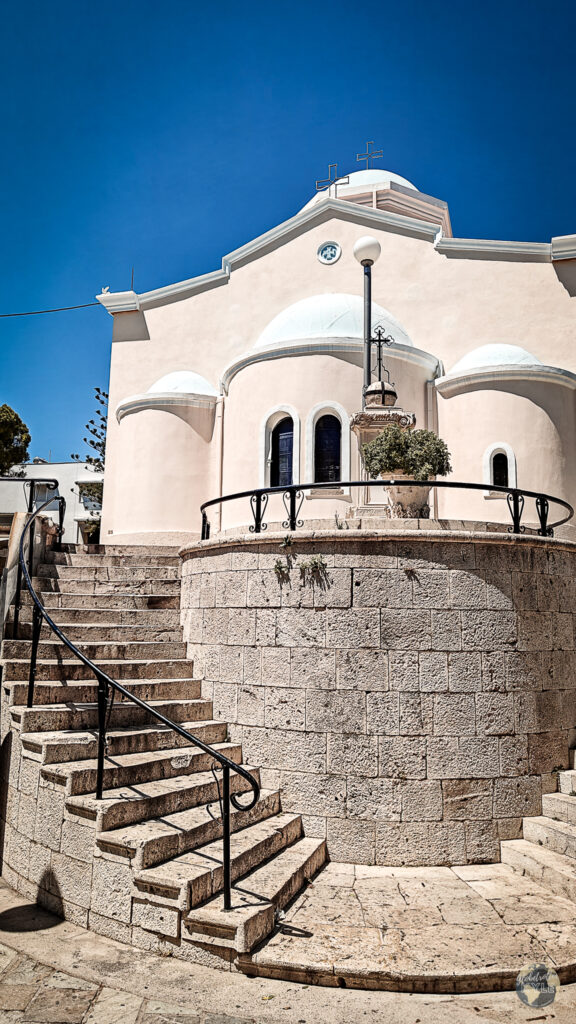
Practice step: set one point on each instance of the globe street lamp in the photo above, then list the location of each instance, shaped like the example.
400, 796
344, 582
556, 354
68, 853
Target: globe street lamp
367, 250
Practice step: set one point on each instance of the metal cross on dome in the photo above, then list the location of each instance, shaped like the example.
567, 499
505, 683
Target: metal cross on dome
332, 179
368, 156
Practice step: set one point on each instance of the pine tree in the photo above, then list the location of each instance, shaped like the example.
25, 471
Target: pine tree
14, 441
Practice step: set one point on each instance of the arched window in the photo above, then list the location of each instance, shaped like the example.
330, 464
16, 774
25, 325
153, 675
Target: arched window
500, 469
327, 449
281, 453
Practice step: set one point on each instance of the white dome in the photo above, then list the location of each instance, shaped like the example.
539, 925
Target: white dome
364, 181
183, 382
328, 316
495, 355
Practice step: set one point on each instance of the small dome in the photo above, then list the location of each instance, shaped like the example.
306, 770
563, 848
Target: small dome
328, 316
364, 181
495, 355
184, 382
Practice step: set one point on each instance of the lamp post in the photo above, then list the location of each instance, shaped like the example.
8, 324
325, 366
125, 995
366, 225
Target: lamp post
367, 250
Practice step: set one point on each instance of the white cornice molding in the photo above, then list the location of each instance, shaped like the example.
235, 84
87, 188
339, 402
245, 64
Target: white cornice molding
494, 249
328, 209
561, 247
326, 346
485, 378
166, 400
564, 247
119, 302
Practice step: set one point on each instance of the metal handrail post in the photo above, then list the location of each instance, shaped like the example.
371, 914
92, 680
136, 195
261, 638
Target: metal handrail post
292, 508
61, 514
227, 882
102, 707
258, 513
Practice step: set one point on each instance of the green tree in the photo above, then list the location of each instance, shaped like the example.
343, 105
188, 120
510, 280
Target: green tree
14, 440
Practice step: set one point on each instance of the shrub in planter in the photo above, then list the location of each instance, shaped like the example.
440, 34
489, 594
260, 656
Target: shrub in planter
419, 454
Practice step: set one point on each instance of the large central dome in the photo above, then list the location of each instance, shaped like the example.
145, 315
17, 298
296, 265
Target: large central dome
334, 315
364, 181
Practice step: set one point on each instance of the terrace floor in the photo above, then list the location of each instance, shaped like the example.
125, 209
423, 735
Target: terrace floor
53, 972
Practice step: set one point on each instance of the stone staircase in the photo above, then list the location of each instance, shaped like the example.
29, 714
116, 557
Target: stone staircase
144, 864
547, 853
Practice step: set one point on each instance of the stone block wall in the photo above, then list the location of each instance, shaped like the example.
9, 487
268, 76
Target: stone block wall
412, 698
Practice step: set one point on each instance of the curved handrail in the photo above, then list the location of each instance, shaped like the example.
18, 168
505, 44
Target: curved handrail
515, 497
104, 682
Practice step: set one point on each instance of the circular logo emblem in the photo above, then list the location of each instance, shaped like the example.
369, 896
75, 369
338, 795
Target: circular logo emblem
329, 252
537, 985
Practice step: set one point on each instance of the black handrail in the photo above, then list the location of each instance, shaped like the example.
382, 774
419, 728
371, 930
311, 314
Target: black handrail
105, 682
52, 485
293, 496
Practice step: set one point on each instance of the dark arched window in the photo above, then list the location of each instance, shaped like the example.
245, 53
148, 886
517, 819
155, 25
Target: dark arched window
281, 453
500, 469
327, 444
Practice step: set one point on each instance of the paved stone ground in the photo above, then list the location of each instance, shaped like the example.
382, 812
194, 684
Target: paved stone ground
439, 929
52, 972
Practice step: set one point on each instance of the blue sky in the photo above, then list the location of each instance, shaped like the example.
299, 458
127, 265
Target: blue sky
162, 136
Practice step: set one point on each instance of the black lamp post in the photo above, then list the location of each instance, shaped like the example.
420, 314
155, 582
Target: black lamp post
367, 250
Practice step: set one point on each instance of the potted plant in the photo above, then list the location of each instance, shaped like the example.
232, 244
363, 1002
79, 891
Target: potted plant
412, 454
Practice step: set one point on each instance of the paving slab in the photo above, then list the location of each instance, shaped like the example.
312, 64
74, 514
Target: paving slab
460, 929
69, 970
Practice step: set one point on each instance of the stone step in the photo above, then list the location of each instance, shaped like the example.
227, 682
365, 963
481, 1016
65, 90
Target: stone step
553, 834
567, 783
560, 806
110, 632
101, 603
100, 650
130, 805
86, 692
81, 559
151, 842
545, 866
193, 877
127, 770
109, 573
160, 626
255, 900
53, 747
56, 717
95, 588
72, 669
145, 550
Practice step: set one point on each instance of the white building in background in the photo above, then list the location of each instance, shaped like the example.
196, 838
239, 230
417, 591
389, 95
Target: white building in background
82, 509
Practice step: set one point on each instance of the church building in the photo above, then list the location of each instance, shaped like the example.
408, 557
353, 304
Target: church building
248, 376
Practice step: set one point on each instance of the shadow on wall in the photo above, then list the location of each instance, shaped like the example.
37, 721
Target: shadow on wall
566, 274
32, 917
5, 751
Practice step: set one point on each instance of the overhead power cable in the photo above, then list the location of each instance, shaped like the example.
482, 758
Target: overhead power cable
61, 309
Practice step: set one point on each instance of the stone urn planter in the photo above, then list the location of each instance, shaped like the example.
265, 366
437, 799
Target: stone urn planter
399, 452
408, 502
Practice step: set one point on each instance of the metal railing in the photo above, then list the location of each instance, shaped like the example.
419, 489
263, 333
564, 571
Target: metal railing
107, 688
293, 497
33, 482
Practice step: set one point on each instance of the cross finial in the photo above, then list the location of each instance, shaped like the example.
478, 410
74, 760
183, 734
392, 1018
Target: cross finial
332, 180
369, 155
